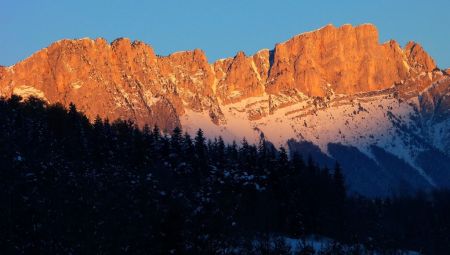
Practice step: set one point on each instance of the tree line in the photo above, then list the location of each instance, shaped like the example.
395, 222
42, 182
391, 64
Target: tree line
71, 186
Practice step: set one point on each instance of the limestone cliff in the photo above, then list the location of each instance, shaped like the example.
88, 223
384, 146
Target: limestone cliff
128, 80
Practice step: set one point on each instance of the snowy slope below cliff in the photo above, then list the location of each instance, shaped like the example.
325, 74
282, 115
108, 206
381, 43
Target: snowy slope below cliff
366, 121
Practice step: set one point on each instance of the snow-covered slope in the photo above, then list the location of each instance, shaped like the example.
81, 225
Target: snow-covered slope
393, 133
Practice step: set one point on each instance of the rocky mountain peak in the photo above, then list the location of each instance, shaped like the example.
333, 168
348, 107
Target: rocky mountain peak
126, 79
418, 58
345, 59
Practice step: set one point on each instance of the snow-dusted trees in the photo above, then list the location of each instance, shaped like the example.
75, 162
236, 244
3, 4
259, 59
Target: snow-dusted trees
71, 186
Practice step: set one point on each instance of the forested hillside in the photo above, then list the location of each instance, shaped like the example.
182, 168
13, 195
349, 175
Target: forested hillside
68, 186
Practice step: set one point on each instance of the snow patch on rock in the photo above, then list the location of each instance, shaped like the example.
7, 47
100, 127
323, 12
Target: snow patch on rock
26, 91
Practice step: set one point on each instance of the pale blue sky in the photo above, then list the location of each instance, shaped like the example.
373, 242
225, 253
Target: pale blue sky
219, 27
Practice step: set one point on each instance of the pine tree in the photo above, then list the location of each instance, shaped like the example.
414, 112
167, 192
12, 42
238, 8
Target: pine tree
156, 134
262, 147
232, 152
188, 147
200, 147
297, 163
339, 182
99, 138
283, 159
244, 153
339, 197
165, 147
176, 141
220, 151
98, 123
201, 157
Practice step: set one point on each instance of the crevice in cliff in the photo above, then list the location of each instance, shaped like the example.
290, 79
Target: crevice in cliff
271, 60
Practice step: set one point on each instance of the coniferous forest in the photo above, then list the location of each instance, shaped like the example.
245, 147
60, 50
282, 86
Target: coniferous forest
69, 186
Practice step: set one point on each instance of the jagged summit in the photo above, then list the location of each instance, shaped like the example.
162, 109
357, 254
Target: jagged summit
129, 77
342, 59
329, 27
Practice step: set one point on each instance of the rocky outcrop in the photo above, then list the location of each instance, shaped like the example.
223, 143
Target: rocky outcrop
435, 101
240, 77
123, 79
347, 60
418, 58
128, 80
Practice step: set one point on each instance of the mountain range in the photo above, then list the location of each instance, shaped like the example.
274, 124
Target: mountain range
336, 94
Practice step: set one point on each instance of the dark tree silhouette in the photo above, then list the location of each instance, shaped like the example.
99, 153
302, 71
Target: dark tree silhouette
71, 186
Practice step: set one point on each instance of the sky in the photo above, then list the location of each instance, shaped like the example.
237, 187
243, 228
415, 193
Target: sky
219, 27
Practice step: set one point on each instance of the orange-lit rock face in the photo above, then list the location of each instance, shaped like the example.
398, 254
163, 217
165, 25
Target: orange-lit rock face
346, 59
127, 80
123, 79
241, 77
418, 58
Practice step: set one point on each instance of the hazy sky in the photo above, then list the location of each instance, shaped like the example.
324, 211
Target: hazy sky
219, 27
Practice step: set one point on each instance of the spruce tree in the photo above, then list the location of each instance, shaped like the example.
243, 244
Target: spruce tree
339, 182
200, 147
283, 159
201, 157
176, 141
